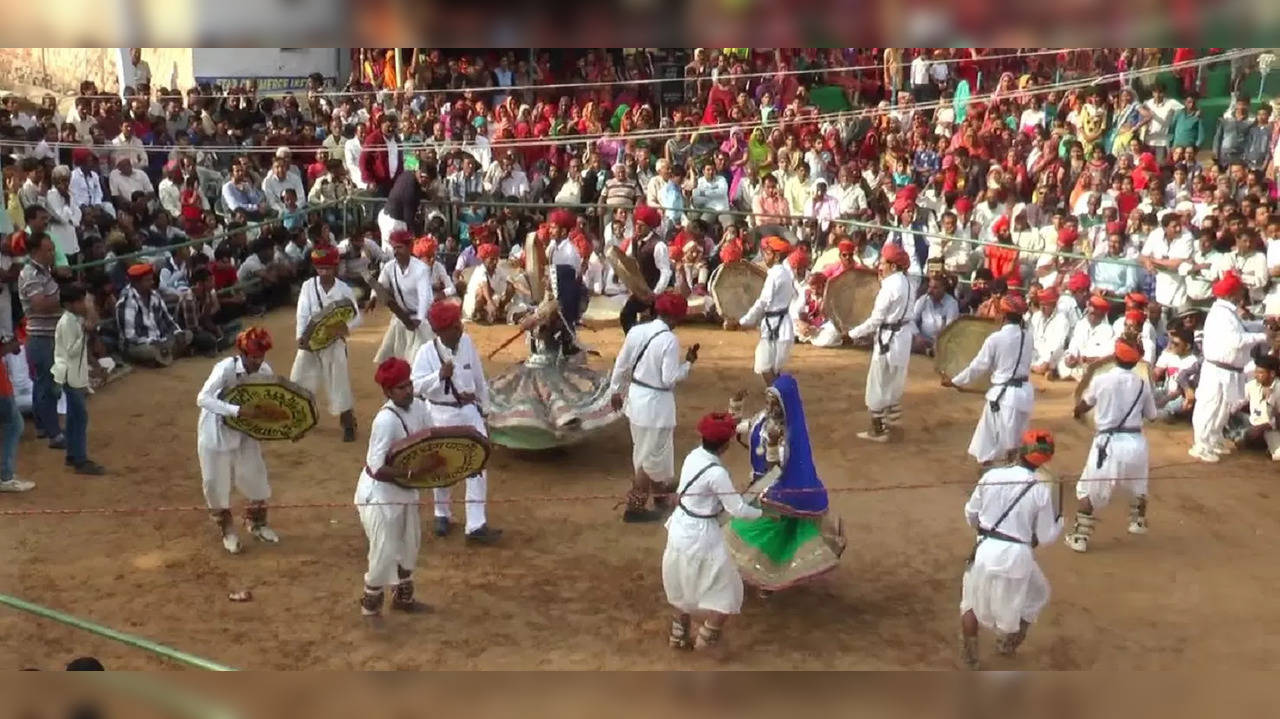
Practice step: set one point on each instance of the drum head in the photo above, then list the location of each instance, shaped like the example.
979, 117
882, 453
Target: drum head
849, 298
829, 258
735, 287
440, 456
603, 311
627, 270
291, 409
322, 330
1098, 367
957, 345
534, 264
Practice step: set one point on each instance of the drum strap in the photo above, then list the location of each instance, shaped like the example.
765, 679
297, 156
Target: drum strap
893, 327
640, 356
687, 487
395, 285
772, 331
993, 531
1107, 434
1014, 380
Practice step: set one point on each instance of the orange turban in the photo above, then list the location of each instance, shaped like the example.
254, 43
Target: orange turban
443, 314
1013, 304
717, 427
391, 373
1228, 286
774, 243
487, 251
896, 255
140, 270
254, 341
324, 256
1127, 353
1135, 300
1077, 282
798, 258
1049, 296
425, 247
671, 304
1037, 447
1098, 302
1135, 315
731, 252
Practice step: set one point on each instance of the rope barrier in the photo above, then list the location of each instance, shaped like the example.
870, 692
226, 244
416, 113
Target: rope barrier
115, 635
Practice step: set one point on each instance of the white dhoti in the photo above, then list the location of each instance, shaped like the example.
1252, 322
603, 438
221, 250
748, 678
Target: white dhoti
771, 355
400, 341
698, 579
325, 369
1125, 465
386, 225
828, 335
886, 381
242, 466
477, 484
999, 431
395, 537
1004, 586
653, 452
1219, 390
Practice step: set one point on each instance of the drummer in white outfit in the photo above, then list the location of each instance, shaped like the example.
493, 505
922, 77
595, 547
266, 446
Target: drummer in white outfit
447, 373
772, 310
326, 368
1050, 330
1121, 401
388, 511
1003, 588
227, 455
697, 572
438, 279
890, 328
1006, 354
1091, 340
407, 279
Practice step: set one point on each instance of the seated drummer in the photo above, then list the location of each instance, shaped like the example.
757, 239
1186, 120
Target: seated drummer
488, 291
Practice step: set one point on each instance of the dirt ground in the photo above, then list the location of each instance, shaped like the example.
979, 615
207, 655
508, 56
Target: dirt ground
571, 587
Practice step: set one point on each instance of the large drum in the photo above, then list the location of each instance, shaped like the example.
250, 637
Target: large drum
627, 271
535, 268
957, 345
439, 456
289, 409
323, 328
735, 286
1099, 366
849, 298
603, 311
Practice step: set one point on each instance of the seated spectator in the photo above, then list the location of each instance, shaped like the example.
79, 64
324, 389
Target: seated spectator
360, 256
977, 293
932, 313
292, 217
239, 195
277, 182
711, 196
1114, 280
193, 208
1175, 376
488, 291
86, 184
812, 325
261, 276
148, 332
126, 180
202, 314
1253, 420
175, 274
1092, 339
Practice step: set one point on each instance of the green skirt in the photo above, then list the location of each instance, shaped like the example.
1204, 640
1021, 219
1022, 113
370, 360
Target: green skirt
775, 552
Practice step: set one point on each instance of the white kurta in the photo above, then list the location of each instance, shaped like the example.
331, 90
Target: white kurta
1148, 337
890, 329
1049, 337
1120, 400
226, 455
697, 572
447, 411
771, 311
1227, 341
649, 365
328, 367
409, 286
1089, 342
480, 277
1004, 586
389, 512
1006, 354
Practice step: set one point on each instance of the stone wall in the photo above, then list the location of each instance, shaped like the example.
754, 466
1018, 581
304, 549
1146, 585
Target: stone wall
62, 69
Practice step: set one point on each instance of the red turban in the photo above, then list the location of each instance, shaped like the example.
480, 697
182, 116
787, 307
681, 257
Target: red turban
1135, 299
392, 373
846, 247
675, 250
255, 341
1037, 447
1067, 236
81, 155
963, 205
401, 238
1098, 302
140, 270
581, 243
1077, 282
1228, 286
443, 314
731, 252
325, 256
1000, 225
1135, 316
895, 255
1127, 353
649, 216
775, 244
544, 232
562, 218
1013, 303
798, 258
425, 247
1115, 228
1048, 296
717, 427
671, 304
487, 251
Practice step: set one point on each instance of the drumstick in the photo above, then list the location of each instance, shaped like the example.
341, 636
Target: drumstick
539, 316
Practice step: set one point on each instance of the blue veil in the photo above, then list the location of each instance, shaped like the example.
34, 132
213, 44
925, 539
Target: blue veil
798, 471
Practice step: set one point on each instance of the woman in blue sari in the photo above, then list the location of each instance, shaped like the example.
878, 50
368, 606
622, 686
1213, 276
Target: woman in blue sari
795, 541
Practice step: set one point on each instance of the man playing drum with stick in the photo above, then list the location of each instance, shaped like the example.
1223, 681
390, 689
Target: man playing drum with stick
405, 280
889, 324
654, 258
227, 455
388, 511
447, 373
326, 367
772, 311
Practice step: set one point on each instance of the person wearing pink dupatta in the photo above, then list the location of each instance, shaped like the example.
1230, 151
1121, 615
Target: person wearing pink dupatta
735, 146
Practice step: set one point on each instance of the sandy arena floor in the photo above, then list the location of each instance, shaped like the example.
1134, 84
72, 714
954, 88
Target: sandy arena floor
571, 587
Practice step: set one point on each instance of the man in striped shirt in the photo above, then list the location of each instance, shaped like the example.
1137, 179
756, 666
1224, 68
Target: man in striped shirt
42, 307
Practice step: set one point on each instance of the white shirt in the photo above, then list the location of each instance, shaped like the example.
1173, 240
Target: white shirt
920, 71
1226, 338
893, 305
211, 433
1251, 268
132, 149
273, 189
932, 317
409, 286
776, 296
1006, 354
711, 491
1199, 282
1170, 287
442, 395
1031, 516
438, 280
659, 366
123, 186
1264, 402
1113, 392
390, 425
1049, 336
312, 299
65, 219
1157, 128
85, 189
563, 252
1148, 337
370, 251
1089, 341
480, 277
711, 194
851, 200
168, 192
351, 158
1174, 366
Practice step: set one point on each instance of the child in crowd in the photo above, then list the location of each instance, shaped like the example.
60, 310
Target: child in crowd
1176, 373
72, 370
1253, 424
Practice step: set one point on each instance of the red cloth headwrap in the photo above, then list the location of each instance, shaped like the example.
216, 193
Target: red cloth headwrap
649, 216
393, 372
717, 427
895, 254
425, 247
671, 304
325, 256
254, 341
1228, 286
562, 218
1127, 353
443, 314
1077, 282
401, 238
